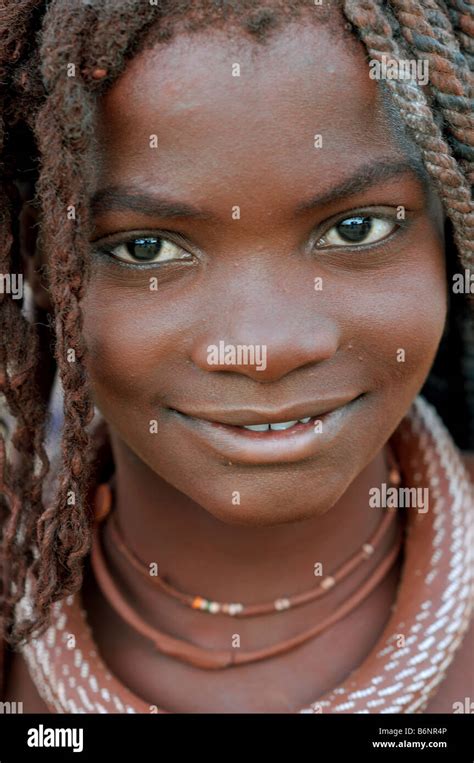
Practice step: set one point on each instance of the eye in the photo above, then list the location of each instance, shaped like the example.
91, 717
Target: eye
356, 230
147, 249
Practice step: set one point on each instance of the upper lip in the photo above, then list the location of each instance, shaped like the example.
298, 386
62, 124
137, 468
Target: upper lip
250, 416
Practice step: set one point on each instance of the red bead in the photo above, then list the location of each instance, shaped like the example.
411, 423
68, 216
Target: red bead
99, 73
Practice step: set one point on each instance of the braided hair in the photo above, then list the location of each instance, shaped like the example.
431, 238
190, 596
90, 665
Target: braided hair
57, 57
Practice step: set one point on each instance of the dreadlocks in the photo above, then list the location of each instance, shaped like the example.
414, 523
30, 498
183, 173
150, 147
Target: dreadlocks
56, 58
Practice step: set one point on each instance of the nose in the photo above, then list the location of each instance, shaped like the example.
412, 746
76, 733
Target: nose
268, 335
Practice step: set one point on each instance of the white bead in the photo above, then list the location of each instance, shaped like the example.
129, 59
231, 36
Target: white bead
282, 604
327, 583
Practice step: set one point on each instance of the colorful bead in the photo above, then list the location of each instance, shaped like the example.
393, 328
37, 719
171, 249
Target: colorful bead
99, 73
395, 477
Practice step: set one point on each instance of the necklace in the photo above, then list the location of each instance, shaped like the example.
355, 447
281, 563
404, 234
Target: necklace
204, 658
218, 659
432, 610
234, 609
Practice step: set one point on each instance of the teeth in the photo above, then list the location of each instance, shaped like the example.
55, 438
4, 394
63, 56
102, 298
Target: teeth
283, 425
279, 427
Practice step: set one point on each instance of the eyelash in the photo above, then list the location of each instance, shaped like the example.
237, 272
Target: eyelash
375, 215
105, 250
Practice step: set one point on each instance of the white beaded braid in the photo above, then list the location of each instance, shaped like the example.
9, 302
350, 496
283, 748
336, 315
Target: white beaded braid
432, 610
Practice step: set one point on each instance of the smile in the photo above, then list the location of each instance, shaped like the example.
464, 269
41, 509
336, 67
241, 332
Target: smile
244, 436
278, 427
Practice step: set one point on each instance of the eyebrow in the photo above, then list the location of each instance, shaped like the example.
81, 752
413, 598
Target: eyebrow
120, 198
367, 176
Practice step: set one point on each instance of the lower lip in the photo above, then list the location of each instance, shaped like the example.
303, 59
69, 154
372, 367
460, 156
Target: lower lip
244, 446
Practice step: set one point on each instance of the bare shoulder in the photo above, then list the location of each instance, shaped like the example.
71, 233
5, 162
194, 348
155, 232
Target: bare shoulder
20, 691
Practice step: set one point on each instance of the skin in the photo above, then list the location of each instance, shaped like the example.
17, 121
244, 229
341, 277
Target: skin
248, 141
252, 280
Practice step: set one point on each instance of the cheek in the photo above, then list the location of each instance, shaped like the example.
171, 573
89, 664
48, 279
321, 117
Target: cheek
128, 345
405, 321
392, 320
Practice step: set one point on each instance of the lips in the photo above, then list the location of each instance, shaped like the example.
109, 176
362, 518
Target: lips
251, 436
246, 417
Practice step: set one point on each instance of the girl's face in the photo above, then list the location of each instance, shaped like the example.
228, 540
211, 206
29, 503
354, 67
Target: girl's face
269, 251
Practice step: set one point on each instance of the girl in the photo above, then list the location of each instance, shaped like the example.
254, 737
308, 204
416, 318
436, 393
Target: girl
239, 236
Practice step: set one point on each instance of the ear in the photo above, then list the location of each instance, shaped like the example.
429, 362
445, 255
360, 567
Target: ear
34, 260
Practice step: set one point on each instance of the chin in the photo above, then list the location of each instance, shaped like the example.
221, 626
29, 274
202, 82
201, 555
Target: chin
252, 512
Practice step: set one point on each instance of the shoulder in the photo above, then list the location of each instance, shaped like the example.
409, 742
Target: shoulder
18, 688
468, 459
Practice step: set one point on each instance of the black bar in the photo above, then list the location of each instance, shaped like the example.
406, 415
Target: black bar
138, 738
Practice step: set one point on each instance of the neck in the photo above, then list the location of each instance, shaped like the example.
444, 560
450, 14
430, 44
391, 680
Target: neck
201, 555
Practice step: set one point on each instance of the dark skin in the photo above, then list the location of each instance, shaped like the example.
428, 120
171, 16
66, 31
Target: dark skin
248, 141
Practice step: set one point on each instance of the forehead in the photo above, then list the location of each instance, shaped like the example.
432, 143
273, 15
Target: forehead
235, 112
